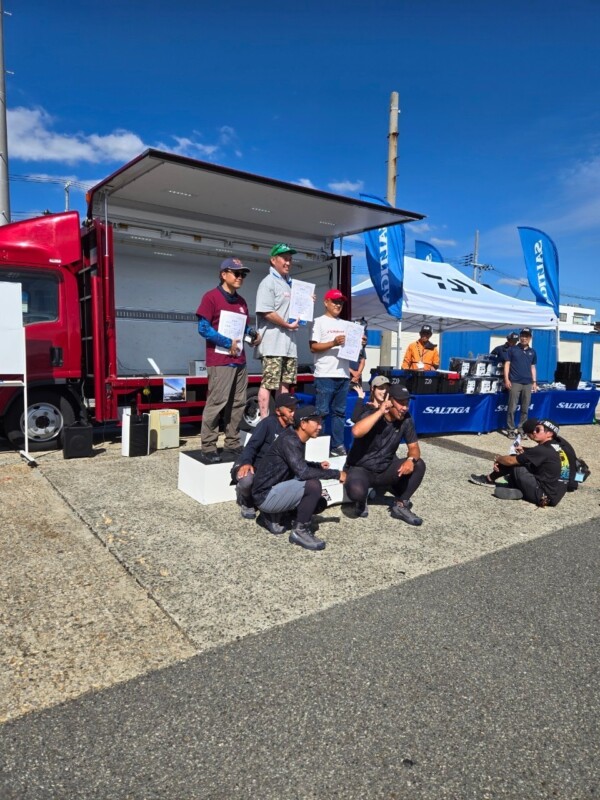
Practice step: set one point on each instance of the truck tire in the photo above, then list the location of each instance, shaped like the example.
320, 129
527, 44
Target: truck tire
48, 413
251, 416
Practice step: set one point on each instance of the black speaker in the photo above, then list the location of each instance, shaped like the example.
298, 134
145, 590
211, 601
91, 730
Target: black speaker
78, 441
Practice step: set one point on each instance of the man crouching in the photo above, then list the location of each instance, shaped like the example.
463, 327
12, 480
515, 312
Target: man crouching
284, 480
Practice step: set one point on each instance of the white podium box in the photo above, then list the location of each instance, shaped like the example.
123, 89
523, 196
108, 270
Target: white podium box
205, 483
318, 449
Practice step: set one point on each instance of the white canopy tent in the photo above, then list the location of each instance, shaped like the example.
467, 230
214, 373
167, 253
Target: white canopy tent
444, 298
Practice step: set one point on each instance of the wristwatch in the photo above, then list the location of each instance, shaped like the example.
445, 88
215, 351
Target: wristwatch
413, 459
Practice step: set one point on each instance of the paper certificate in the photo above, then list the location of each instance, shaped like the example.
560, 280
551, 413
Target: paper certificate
351, 347
233, 326
302, 305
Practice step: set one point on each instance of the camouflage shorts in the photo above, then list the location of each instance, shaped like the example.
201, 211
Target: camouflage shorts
278, 370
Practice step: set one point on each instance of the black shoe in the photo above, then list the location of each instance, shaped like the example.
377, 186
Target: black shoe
211, 458
304, 537
247, 512
361, 509
405, 514
480, 480
271, 523
512, 434
340, 450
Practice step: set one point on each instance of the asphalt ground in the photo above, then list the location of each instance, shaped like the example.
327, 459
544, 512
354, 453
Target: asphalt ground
109, 573
479, 681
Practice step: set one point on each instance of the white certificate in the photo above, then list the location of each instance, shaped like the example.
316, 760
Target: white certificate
351, 347
302, 305
233, 326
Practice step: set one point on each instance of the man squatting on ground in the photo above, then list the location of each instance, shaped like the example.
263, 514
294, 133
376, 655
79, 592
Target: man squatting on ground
332, 373
372, 460
277, 349
284, 481
263, 436
532, 474
227, 373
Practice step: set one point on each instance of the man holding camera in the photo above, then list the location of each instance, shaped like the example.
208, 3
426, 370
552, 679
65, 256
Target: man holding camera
225, 361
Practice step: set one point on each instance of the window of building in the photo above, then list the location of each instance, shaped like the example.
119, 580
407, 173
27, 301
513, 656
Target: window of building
563, 316
581, 319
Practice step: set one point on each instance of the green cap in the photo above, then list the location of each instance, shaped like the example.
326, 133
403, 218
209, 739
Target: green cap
281, 249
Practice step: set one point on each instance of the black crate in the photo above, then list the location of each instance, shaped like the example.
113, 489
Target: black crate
448, 385
423, 383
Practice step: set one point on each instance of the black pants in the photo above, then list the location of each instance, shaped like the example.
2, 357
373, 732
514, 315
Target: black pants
521, 478
360, 480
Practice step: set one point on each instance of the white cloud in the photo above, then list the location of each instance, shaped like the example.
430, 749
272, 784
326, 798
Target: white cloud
305, 182
443, 242
419, 227
346, 186
32, 137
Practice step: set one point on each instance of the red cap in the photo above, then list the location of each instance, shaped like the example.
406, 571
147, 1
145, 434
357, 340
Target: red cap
334, 294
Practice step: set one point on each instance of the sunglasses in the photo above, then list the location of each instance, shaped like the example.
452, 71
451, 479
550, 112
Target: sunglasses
238, 273
337, 302
539, 429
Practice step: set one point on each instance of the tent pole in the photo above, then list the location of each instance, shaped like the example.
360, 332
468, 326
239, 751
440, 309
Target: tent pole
398, 348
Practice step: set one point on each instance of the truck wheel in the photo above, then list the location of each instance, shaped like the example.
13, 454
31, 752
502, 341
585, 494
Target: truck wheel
251, 416
48, 414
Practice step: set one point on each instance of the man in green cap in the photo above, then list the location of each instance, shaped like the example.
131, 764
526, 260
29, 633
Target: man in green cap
277, 349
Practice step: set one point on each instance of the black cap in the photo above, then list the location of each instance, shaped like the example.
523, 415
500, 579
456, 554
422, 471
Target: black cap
286, 399
529, 425
426, 329
512, 335
305, 412
550, 426
525, 332
398, 392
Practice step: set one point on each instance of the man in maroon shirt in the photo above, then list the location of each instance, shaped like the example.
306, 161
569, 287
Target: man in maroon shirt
225, 361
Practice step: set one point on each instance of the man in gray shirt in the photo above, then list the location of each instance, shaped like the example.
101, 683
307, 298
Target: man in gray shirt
277, 349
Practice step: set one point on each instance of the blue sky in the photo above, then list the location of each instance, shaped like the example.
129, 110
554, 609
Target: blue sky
499, 124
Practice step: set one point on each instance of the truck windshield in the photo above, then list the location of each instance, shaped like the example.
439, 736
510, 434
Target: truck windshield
40, 294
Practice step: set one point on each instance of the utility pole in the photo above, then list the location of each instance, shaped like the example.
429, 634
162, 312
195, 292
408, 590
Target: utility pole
385, 348
392, 171
476, 258
4, 191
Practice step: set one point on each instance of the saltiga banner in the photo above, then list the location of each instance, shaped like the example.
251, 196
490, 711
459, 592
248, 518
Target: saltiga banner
425, 251
541, 260
385, 259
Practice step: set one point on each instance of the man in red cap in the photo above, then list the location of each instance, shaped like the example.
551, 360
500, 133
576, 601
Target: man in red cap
332, 373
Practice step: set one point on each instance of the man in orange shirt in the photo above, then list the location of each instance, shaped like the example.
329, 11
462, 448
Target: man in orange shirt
422, 355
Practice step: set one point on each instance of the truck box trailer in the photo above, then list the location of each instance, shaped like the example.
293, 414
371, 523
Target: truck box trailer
109, 299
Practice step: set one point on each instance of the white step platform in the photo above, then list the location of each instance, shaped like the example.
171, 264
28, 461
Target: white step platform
210, 483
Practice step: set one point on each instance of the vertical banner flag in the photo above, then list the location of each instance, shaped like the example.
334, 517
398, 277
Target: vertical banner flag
541, 260
385, 259
427, 252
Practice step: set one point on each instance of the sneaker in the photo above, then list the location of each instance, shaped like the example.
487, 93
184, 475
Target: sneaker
304, 537
512, 435
405, 514
480, 480
210, 458
247, 512
506, 493
271, 523
361, 509
338, 451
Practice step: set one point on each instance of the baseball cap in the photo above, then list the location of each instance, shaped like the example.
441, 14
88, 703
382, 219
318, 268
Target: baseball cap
334, 294
530, 425
512, 335
233, 263
281, 249
305, 412
550, 426
399, 392
525, 332
380, 380
286, 399
426, 329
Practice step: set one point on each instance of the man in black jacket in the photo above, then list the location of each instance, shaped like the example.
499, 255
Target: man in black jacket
284, 480
568, 457
263, 436
372, 460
